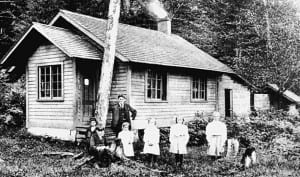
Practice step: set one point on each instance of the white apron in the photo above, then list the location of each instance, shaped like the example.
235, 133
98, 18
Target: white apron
127, 138
151, 139
179, 137
216, 135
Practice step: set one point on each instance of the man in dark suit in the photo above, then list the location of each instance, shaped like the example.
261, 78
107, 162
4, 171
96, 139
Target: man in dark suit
120, 114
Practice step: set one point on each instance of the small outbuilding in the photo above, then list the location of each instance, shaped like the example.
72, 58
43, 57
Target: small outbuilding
270, 98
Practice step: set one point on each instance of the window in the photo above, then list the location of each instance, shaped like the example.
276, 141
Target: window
50, 82
156, 85
199, 88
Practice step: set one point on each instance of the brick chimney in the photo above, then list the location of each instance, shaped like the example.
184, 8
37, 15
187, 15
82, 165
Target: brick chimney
164, 26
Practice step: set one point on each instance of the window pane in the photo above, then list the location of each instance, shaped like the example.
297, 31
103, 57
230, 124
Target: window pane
149, 85
148, 93
153, 83
158, 94
152, 93
44, 81
54, 93
56, 81
156, 85
164, 86
159, 84
50, 81
199, 88
42, 93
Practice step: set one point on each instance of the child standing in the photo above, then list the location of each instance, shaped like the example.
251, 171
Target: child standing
151, 140
127, 138
216, 135
179, 137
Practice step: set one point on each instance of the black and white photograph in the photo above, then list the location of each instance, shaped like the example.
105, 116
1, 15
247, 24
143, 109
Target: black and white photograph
171, 88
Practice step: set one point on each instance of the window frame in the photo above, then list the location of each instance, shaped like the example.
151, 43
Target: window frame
155, 100
205, 91
51, 98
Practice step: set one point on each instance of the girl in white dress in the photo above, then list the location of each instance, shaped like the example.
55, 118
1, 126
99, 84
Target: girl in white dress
216, 135
127, 137
179, 137
151, 140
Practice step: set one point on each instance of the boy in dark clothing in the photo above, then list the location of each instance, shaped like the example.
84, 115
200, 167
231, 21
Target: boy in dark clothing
98, 145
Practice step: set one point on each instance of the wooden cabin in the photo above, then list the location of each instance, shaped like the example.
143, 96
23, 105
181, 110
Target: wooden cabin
161, 74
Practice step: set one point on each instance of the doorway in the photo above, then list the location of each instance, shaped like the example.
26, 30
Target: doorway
228, 103
88, 77
88, 97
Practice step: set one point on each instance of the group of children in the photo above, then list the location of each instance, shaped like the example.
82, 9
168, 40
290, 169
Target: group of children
102, 152
178, 140
216, 134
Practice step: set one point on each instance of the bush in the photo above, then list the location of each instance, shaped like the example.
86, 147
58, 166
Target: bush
12, 101
197, 132
259, 131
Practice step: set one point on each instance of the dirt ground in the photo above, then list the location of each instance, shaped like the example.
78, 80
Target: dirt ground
22, 155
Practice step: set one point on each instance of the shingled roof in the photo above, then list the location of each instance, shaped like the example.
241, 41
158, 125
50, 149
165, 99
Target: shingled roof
291, 96
140, 45
71, 44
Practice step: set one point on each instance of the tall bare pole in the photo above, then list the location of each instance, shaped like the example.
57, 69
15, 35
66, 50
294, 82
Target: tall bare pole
108, 61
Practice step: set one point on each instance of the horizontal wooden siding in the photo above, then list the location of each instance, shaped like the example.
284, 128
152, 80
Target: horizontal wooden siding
51, 114
178, 98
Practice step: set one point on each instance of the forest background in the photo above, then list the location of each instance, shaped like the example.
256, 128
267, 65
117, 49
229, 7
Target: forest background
258, 39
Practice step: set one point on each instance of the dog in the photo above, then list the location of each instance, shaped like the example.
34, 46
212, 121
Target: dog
232, 147
249, 157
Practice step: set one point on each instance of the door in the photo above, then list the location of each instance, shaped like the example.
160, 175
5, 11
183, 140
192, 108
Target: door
228, 103
88, 97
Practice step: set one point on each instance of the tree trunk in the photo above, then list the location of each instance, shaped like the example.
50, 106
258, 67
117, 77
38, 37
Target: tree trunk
108, 62
267, 25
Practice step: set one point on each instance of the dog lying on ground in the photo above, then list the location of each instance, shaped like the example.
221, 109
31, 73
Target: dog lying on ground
249, 157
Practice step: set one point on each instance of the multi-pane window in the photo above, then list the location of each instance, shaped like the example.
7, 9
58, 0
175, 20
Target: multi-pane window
50, 82
199, 88
156, 85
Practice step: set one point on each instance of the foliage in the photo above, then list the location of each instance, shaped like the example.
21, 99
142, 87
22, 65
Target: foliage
12, 101
197, 132
250, 36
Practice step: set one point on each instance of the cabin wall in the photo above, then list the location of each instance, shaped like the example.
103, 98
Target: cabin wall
119, 86
50, 117
178, 98
240, 96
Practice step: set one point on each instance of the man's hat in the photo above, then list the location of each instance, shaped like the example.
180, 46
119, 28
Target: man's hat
93, 119
119, 96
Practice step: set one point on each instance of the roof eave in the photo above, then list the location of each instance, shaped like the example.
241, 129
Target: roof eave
177, 66
246, 81
86, 32
9, 53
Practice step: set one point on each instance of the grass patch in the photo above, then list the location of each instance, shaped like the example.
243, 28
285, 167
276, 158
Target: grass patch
276, 141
